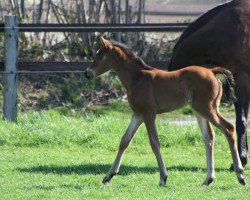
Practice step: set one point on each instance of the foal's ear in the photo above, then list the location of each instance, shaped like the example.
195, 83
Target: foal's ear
107, 44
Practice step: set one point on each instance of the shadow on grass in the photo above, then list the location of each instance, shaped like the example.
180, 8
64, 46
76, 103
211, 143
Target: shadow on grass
63, 186
88, 168
91, 168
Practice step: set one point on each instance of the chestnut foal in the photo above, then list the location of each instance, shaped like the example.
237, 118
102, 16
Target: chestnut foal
152, 91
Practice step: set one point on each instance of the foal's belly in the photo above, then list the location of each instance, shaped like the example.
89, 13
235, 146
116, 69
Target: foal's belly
171, 101
169, 108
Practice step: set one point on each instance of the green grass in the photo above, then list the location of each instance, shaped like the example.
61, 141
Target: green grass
64, 154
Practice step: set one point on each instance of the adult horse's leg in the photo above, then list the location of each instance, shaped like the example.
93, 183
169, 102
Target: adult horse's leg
149, 119
242, 91
208, 137
241, 127
135, 122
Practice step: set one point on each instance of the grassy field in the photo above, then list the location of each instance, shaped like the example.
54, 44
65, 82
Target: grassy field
64, 154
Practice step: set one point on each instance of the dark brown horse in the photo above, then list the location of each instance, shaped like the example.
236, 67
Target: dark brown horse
222, 37
152, 91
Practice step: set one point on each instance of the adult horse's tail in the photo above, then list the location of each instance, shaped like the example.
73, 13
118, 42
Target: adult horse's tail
227, 83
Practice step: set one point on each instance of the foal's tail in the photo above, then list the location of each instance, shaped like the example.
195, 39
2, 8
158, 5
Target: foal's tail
227, 83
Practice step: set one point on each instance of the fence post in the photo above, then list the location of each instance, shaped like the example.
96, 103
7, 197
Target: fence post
10, 62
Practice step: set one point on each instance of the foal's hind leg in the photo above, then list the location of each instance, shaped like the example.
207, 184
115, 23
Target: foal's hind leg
135, 122
208, 137
228, 129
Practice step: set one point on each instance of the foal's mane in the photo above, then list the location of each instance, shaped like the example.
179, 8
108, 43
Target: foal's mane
129, 52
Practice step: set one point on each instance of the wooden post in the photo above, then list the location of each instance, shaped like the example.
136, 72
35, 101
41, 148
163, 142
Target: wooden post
10, 62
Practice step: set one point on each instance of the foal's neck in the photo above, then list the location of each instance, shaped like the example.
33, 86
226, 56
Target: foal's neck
128, 71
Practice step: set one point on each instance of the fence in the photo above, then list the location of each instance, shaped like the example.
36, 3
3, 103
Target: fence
11, 67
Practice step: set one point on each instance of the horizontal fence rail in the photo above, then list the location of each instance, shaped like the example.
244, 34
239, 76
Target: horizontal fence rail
63, 67
166, 27
159, 13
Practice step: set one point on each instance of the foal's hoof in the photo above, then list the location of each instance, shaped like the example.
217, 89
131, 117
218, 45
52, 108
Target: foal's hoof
162, 182
242, 181
107, 178
208, 181
105, 181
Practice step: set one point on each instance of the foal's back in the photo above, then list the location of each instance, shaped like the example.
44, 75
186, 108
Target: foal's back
192, 85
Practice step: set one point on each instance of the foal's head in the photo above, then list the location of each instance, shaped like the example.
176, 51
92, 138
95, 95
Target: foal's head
105, 59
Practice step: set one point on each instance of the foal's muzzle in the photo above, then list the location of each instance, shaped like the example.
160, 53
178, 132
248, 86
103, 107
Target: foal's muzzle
88, 74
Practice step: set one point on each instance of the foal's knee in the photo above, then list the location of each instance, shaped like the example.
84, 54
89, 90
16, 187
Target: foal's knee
209, 137
230, 132
154, 143
123, 145
231, 128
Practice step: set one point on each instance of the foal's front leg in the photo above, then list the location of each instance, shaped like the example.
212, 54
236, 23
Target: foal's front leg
135, 122
149, 120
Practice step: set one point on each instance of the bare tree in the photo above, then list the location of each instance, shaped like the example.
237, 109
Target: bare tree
22, 6
76, 11
39, 12
139, 37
